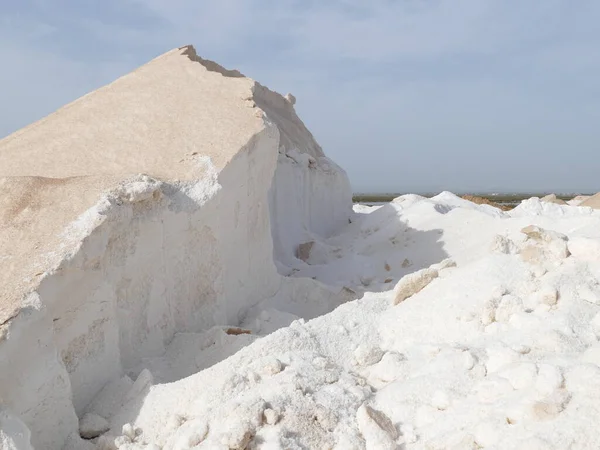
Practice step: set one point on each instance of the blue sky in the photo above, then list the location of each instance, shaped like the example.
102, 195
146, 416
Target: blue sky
406, 95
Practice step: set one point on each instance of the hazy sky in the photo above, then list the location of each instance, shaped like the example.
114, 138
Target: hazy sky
406, 95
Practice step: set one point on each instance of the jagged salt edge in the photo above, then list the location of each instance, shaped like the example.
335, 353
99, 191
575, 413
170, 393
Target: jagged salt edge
72, 237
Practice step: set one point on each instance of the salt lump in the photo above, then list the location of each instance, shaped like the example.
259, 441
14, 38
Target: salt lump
180, 310
413, 283
92, 425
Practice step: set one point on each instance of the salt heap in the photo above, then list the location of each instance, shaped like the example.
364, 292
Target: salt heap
156, 205
490, 339
170, 313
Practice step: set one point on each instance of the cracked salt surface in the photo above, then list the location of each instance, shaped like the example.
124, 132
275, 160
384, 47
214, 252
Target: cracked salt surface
500, 350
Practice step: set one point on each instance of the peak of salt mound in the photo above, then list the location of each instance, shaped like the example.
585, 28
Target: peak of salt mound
592, 202
154, 120
551, 198
577, 200
190, 52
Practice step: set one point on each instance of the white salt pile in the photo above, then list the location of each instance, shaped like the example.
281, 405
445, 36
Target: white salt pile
500, 350
159, 205
175, 315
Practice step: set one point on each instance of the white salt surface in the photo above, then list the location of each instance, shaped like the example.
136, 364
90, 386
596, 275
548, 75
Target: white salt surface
500, 350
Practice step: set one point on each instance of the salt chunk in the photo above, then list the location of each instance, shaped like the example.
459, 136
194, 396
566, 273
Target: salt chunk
445, 264
142, 383
549, 296
139, 191
508, 305
298, 323
367, 355
413, 283
488, 314
544, 245
501, 244
331, 377
128, 431
390, 368
92, 426
541, 235
377, 429
271, 416
271, 366
290, 98
584, 248
238, 436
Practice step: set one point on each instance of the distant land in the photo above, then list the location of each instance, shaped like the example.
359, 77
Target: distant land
500, 198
